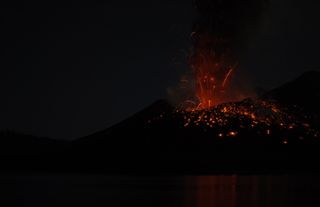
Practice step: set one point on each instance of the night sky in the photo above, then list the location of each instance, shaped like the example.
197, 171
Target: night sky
69, 69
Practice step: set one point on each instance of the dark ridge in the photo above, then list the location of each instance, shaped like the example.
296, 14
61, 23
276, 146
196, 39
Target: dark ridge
15, 144
136, 121
303, 91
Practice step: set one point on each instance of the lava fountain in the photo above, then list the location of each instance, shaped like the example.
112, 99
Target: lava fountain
220, 31
212, 67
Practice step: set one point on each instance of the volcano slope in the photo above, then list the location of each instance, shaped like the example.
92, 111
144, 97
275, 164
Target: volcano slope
277, 132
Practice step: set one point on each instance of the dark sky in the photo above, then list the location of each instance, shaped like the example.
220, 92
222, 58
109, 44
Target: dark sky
70, 69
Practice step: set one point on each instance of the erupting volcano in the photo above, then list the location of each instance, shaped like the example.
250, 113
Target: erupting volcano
215, 127
215, 109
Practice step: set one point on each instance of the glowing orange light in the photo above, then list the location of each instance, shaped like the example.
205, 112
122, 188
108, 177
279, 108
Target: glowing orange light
232, 134
213, 66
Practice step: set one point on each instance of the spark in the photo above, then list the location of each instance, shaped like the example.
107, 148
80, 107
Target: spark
248, 115
226, 77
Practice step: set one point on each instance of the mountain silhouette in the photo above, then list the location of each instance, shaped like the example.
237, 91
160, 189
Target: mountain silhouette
303, 91
155, 140
156, 133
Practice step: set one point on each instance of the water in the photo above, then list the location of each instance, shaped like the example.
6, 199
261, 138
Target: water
189, 191
246, 191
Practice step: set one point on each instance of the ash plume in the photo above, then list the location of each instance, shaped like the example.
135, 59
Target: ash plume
230, 20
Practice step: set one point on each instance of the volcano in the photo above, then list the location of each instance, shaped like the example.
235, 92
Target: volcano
161, 137
276, 132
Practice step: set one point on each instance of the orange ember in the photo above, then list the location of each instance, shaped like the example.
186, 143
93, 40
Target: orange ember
212, 69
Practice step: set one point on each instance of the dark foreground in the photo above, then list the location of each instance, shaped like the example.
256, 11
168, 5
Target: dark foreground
65, 190
180, 158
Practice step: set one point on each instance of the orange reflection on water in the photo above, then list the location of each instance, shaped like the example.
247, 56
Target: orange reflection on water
237, 191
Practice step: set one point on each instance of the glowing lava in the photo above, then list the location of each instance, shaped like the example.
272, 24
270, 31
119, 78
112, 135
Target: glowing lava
212, 66
263, 118
249, 118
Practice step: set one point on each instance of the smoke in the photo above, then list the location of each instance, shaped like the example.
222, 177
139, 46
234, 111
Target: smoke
232, 20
